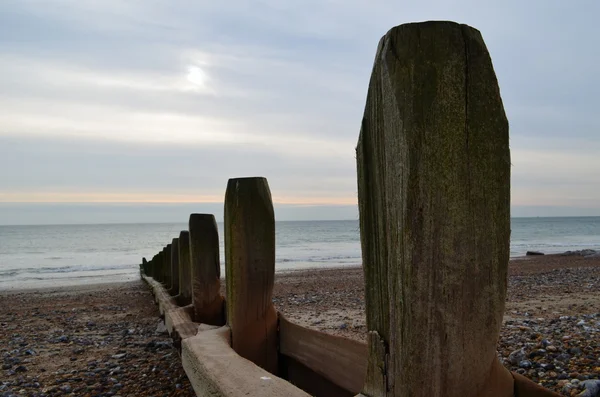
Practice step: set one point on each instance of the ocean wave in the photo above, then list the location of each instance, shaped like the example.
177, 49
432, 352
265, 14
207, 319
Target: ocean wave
77, 277
64, 269
319, 259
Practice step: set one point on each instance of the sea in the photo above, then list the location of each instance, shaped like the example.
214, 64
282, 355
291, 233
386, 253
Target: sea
62, 255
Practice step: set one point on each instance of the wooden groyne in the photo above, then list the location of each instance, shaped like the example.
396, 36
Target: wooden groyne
434, 199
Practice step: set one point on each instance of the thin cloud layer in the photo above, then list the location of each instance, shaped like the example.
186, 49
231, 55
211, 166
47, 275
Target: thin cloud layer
163, 102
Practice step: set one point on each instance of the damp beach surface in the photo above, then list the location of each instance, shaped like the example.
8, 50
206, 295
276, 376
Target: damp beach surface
105, 339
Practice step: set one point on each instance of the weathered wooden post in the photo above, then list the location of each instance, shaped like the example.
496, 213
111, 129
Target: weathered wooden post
174, 267
167, 267
144, 266
185, 273
161, 266
156, 273
206, 270
250, 270
434, 199
150, 271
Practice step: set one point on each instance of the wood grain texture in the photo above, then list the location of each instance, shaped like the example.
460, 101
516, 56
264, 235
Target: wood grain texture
342, 361
206, 270
215, 369
434, 199
185, 269
250, 270
180, 325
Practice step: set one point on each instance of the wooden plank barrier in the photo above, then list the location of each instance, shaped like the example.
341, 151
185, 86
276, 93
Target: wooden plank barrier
216, 370
340, 360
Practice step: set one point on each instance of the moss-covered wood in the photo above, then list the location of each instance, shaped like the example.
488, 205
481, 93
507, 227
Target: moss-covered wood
250, 270
185, 272
174, 267
206, 270
434, 198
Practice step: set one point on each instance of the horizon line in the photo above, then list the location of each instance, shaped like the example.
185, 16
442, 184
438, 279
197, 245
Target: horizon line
288, 220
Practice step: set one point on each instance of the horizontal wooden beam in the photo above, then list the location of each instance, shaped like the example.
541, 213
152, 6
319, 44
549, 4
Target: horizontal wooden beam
342, 361
216, 370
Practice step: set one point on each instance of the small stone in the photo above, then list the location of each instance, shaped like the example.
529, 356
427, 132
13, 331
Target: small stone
591, 388
563, 357
21, 368
537, 353
517, 356
574, 351
525, 364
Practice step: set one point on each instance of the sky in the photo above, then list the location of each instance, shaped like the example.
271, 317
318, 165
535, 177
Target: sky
141, 110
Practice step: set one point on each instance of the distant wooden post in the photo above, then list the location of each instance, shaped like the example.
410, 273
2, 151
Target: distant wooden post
144, 266
434, 199
161, 266
152, 267
250, 270
156, 273
167, 267
185, 273
206, 270
174, 268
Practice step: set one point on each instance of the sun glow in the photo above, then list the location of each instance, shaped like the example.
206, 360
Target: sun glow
196, 76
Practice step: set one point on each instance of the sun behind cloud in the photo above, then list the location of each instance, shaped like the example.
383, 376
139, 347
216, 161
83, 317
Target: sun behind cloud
197, 76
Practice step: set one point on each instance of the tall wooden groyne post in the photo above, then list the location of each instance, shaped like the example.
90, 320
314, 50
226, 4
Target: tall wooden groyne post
434, 200
250, 270
206, 270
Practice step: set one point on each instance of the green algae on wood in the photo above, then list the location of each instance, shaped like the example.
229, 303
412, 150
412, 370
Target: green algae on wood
434, 200
206, 270
250, 270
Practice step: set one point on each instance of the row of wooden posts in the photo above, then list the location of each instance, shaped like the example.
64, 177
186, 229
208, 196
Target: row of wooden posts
433, 166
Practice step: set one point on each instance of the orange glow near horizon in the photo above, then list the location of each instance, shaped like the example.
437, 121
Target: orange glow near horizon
156, 198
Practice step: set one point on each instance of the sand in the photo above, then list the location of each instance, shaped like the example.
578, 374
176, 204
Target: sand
103, 339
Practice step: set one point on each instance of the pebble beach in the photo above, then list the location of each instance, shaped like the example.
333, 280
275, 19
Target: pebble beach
108, 340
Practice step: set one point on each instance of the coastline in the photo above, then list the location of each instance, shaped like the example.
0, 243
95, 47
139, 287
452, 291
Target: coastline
73, 285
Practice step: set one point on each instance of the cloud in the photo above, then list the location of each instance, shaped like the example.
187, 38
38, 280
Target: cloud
160, 101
